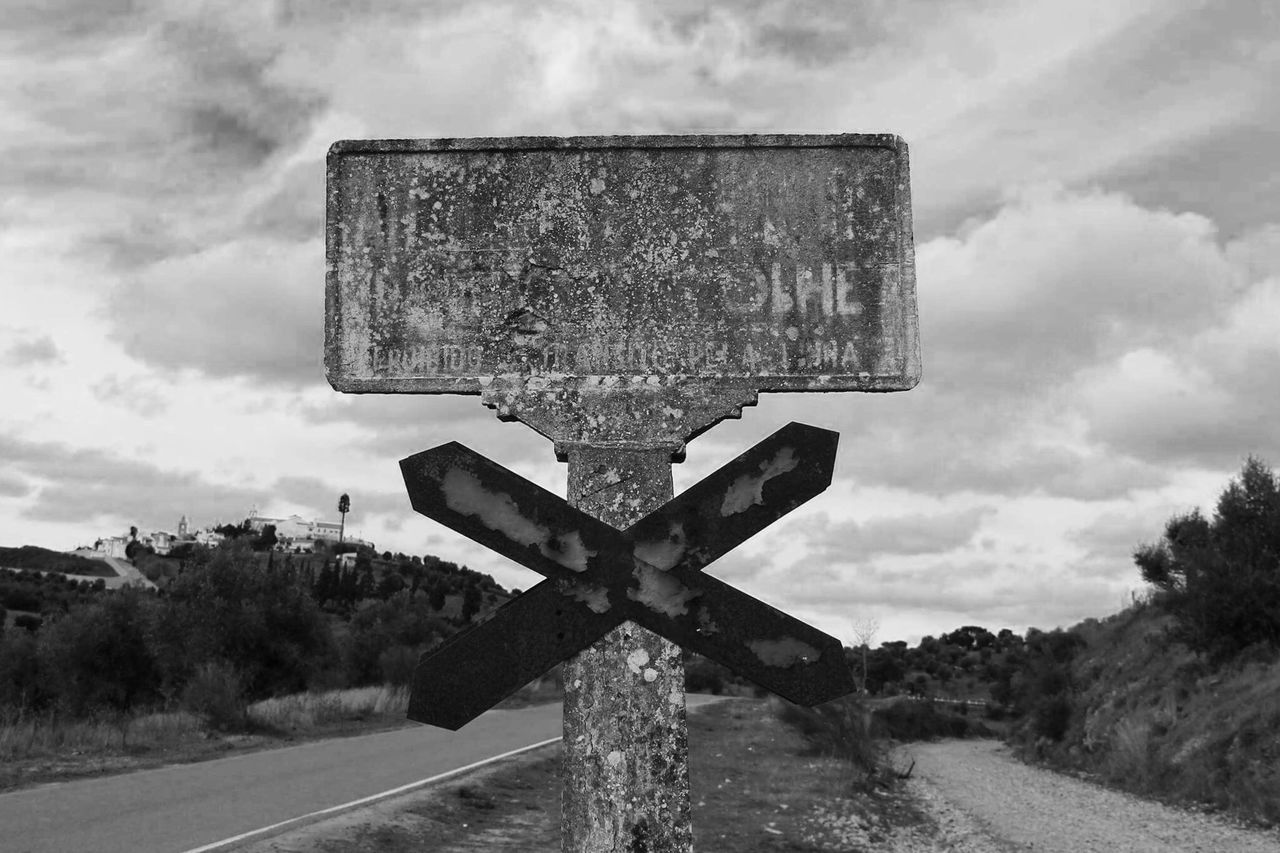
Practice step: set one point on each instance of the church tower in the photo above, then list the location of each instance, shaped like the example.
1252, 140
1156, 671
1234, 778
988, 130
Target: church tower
182, 528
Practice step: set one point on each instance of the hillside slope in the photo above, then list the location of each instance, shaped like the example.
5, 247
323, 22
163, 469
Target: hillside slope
1148, 715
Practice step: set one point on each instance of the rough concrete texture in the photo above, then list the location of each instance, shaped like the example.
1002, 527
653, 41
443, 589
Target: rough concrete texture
620, 264
626, 776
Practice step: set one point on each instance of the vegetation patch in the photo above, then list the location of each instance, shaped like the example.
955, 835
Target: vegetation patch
44, 560
1177, 697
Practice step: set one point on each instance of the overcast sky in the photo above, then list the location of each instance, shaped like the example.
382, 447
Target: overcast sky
1097, 202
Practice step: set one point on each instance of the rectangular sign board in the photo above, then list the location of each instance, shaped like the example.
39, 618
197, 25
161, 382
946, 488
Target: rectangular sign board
783, 263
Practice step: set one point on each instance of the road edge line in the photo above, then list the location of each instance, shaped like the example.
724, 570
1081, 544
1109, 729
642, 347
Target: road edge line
363, 801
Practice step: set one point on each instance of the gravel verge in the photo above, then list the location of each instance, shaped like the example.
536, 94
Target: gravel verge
984, 799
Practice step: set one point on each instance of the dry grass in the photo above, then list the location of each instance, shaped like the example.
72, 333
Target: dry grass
46, 748
43, 736
305, 711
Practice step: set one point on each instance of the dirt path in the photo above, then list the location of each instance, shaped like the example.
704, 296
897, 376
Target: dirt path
984, 799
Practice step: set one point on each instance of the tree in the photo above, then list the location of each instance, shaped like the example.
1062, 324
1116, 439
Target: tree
262, 623
97, 657
1220, 577
471, 601
344, 507
864, 631
267, 539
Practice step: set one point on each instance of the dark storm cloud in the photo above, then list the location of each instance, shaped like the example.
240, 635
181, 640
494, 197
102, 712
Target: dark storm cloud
153, 119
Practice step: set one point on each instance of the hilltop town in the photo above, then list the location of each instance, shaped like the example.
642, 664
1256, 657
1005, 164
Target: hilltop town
293, 535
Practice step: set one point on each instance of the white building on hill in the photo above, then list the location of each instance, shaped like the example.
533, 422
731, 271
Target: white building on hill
296, 533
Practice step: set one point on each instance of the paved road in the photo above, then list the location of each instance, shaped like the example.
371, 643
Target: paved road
186, 806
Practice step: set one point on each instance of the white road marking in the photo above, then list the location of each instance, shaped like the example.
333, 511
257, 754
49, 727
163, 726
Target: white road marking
364, 801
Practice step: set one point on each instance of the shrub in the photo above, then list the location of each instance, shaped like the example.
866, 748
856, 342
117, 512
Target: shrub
97, 657
397, 664
216, 692
837, 729
910, 720
1220, 577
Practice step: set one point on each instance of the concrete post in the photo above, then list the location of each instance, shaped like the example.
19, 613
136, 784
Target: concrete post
625, 771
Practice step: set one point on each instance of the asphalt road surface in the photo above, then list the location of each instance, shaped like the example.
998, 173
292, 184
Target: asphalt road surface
186, 806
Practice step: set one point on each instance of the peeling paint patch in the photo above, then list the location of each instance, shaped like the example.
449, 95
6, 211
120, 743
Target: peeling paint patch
706, 624
784, 652
465, 494
595, 597
614, 758
661, 592
664, 553
568, 550
748, 490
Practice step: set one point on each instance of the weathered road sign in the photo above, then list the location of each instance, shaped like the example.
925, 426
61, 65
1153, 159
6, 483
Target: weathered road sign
601, 577
620, 295
574, 266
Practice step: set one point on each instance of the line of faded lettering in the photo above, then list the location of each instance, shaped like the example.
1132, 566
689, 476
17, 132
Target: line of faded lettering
426, 359
831, 290
648, 357
820, 354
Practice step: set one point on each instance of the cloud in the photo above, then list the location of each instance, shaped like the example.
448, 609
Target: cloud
1209, 401
1058, 279
14, 487
138, 394
32, 351
948, 593
251, 307
321, 499
833, 542
150, 119
76, 485
1116, 535
392, 426
81, 484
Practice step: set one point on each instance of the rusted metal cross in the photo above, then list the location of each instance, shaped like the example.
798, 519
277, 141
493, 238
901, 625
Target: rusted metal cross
600, 577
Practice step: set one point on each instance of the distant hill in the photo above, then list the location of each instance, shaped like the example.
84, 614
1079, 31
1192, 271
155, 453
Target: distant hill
1141, 711
44, 560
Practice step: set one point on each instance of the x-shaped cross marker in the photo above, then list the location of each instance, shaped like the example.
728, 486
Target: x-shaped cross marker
599, 576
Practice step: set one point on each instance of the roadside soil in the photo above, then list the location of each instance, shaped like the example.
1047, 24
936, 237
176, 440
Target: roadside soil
753, 786
754, 789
